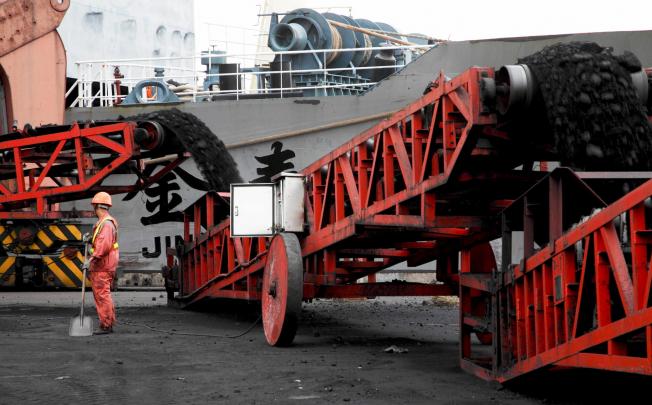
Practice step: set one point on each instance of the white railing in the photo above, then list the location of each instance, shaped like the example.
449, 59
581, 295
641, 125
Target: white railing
97, 83
235, 40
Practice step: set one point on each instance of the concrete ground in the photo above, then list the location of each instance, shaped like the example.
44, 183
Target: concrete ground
338, 357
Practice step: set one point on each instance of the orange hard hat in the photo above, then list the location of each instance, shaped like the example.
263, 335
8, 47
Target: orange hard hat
102, 198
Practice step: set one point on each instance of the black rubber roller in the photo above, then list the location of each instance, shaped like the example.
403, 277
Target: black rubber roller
515, 88
153, 136
165, 127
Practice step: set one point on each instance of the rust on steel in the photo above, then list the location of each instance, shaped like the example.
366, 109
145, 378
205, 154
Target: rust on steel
33, 61
22, 21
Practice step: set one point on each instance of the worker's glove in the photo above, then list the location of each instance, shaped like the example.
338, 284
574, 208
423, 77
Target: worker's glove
87, 265
86, 238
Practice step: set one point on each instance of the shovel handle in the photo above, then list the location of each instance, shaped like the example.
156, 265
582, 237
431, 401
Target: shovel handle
83, 291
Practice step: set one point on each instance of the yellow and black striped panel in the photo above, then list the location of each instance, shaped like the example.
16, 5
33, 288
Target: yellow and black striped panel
48, 238
7, 271
7, 235
64, 272
48, 235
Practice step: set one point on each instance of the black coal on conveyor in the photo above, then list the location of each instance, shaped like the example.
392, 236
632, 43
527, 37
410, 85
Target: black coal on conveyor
592, 108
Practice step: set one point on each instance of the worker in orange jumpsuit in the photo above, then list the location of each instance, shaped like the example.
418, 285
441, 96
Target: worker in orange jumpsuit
103, 261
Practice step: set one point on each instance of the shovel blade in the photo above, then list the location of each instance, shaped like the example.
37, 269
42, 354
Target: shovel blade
81, 326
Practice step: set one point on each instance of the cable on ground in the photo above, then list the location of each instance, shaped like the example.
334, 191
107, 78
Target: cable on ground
174, 332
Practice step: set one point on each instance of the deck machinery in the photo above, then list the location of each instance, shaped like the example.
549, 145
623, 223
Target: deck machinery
437, 181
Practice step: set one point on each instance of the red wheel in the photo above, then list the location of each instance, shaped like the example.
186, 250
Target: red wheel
282, 289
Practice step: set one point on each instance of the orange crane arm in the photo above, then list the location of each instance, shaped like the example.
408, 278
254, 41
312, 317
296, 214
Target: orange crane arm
23, 21
32, 62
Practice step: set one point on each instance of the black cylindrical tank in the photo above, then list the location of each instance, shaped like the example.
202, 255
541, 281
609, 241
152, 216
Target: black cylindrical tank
384, 58
230, 82
281, 80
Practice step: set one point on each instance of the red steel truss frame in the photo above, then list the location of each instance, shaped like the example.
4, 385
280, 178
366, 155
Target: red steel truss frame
428, 184
69, 163
583, 300
392, 178
350, 198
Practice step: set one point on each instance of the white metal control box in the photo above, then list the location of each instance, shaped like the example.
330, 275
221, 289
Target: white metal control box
263, 209
252, 209
290, 194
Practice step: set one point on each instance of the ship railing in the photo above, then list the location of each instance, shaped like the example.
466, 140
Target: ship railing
236, 39
106, 83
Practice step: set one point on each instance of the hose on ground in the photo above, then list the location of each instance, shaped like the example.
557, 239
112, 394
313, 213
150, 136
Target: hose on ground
174, 332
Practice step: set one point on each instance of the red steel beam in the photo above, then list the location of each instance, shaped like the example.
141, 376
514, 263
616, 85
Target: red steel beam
123, 151
623, 364
560, 352
554, 295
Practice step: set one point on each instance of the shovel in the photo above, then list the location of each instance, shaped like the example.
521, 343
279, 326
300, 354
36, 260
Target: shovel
82, 325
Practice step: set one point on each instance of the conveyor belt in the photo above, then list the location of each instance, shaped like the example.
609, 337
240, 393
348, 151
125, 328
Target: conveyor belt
593, 111
208, 151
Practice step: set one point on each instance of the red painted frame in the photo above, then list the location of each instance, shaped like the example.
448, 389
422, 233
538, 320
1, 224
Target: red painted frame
33, 161
539, 312
350, 200
399, 192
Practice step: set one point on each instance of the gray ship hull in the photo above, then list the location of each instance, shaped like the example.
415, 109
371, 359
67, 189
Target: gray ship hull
266, 136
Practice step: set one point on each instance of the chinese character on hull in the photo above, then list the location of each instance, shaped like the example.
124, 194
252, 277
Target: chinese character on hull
275, 163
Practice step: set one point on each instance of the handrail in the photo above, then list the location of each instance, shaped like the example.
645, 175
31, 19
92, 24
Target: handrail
272, 53
188, 71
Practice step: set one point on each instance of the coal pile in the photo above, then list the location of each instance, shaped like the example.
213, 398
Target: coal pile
208, 151
592, 110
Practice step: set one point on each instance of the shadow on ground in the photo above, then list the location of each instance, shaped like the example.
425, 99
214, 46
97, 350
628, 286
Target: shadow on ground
575, 386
